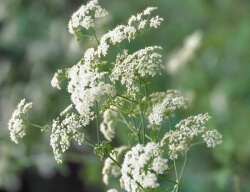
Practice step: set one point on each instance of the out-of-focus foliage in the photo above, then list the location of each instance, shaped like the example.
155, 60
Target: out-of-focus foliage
34, 43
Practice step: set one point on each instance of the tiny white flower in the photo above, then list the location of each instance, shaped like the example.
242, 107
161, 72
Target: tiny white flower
155, 21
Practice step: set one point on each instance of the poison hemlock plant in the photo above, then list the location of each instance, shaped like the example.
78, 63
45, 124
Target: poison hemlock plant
94, 84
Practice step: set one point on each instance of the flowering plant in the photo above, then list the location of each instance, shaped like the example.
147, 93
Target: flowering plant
115, 91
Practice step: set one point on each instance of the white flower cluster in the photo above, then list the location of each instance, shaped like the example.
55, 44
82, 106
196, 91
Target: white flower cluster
180, 139
55, 82
17, 123
86, 87
141, 166
117, 35
64, 131
164, 104
107, 127
129, 68
121, 32
85, 15
110, 168
141, 20
212, 138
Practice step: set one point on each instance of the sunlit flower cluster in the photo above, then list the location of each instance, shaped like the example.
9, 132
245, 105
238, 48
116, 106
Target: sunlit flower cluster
164, 104
17, 122
130, 68
107, 127
65, 130
86, 87
57, 78
212, 138
141, 20
180, 140
115, 91
136, 24
141, 166
110, 168
85, 15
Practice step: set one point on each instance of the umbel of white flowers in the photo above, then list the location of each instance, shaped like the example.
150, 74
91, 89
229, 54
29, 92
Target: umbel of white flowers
94, 82
17, 122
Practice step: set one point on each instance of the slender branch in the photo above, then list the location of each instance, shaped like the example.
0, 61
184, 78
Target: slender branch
90, 143
93, 30
142, 116
183, 167
126, 122
118, 164
127, 99
166, 179
198, 143
34, 125
97, 123
138, 134
144, 39
176, 174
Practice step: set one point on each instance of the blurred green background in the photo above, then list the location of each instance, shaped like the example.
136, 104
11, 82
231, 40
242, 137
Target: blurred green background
209, 41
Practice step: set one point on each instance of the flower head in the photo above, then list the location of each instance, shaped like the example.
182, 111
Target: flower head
110, 168
17, 122
129, 68
107, 127
180, 139
57, 79
85, 15
63, 131
164, 104
212, 138
86, 86
141, 165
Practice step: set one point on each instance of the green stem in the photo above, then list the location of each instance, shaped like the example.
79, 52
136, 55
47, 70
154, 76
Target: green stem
127, 99
142, 115
90, 143
118, 164
176, 174
93, 30
144, 40
183, 167
97, 123
166, 179
126, 122
198, 143
34, 125
138, 135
